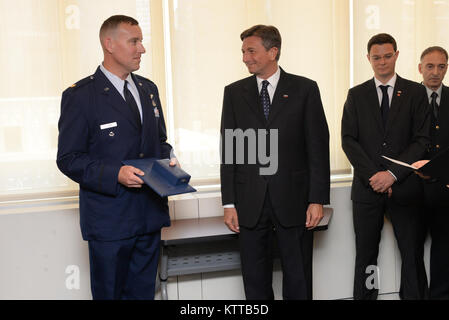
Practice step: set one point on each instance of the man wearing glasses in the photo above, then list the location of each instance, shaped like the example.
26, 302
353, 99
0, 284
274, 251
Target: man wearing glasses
387, 115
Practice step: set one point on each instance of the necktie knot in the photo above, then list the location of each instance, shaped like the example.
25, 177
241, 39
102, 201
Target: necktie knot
434, 95
384, 89
265, 84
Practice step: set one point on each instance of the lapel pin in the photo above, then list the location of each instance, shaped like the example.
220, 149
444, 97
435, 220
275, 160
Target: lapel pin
285, 95
151, 96
91, 77
140, 83
154, 103
111, 134
106, 89
156, 112
399, 93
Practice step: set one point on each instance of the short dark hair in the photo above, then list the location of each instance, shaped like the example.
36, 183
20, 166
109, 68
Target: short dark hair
113, 22
433, 49
382, 38
270, 37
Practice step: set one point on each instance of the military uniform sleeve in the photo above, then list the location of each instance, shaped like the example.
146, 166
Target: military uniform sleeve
75, 157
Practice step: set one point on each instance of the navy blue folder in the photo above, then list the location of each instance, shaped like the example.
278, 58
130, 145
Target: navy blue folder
165, 180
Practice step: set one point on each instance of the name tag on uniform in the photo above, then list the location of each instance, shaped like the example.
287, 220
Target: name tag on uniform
108, 125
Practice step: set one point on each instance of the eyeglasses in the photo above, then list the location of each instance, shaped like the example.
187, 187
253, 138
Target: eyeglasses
387, 57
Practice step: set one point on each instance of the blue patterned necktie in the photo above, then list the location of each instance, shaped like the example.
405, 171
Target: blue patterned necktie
385, 105
265, 98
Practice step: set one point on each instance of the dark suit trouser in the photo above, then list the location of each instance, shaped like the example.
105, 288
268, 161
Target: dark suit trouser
436, 220
124, 269
295, 246
368, 223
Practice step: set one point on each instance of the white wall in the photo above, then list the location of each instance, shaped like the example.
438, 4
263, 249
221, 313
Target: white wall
41, 253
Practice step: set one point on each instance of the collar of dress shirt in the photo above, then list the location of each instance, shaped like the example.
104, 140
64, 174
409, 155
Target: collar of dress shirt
117, 82
273, 80
390, 82
439, 91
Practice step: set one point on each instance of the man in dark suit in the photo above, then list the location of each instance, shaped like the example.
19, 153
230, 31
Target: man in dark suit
435, 217
387, 115
282, 115
106, 118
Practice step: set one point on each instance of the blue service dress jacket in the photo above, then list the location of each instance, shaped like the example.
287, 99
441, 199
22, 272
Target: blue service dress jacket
97, 131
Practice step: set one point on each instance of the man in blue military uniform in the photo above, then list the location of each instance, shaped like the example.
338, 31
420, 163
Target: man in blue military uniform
106, 118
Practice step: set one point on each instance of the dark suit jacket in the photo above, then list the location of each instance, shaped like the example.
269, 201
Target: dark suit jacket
303, 174
405, 137
436, 192
92, 156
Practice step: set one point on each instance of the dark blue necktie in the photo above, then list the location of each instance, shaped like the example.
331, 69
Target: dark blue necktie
132, 103
434, 104
265, 98
385, 105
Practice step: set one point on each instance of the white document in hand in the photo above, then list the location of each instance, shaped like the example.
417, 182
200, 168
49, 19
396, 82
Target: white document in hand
401, 163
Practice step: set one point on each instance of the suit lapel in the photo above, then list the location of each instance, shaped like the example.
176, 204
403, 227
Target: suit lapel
251, 96
373, 104
443, 116
112, 97
280, 97
444, 99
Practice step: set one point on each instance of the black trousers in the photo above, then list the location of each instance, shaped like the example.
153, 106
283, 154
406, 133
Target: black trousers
368, 222
435, 219
295, 246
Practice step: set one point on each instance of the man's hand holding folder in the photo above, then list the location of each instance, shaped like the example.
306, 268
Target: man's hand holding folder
163, 176
129, 175
419, 164
435, 168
